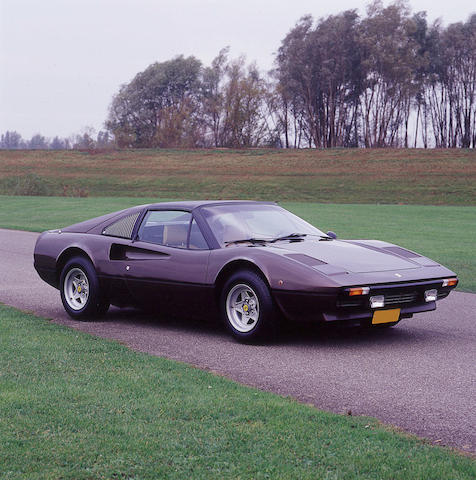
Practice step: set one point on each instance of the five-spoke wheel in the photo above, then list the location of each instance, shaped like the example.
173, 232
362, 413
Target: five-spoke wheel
76, 288
242, 307
80, 292
247, 306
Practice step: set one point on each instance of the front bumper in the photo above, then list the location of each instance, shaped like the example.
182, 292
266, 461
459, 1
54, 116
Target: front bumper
337, 306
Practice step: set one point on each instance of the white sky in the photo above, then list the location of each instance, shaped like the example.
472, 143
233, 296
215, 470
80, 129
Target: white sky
61, 61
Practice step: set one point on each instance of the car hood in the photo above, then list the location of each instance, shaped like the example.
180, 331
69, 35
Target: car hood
352, 256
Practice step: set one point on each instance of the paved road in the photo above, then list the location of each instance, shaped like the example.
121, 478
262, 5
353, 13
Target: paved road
419, 376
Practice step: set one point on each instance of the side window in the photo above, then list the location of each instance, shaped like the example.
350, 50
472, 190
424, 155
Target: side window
197, 242
122, 227
165, 227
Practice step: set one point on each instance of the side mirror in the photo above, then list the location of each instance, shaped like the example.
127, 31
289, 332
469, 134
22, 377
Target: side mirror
331, 234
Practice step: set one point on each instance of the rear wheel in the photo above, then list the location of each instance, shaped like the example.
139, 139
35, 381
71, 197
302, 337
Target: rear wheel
247, 307
80, 292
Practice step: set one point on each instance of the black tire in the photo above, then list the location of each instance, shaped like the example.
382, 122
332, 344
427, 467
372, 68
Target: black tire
88, 307
264, 327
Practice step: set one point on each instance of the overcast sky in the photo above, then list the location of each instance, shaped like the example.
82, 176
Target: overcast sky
61, 61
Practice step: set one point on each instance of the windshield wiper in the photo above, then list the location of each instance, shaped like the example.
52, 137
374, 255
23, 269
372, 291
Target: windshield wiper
296, 237
290, 236
248, 240
299, 236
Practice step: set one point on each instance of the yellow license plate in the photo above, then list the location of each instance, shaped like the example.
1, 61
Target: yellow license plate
386, 316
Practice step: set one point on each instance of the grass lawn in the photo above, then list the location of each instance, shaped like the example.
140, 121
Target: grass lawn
408, 176
73, 406
445, 233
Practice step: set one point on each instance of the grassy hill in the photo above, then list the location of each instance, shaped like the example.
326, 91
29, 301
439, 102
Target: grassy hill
414, 176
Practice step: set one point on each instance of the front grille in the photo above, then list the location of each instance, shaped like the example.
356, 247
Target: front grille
401, 298
394, 295
390, 299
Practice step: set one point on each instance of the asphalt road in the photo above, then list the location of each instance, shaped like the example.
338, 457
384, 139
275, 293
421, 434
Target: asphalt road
419, 376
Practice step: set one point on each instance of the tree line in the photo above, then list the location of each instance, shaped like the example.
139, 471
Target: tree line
385, 79
87, 140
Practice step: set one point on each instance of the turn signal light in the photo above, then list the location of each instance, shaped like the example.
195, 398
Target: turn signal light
450, 282
359, 291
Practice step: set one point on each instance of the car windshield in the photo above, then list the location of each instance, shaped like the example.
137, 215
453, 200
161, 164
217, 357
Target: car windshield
235, 222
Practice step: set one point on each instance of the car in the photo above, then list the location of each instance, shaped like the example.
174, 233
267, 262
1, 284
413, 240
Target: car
250, 263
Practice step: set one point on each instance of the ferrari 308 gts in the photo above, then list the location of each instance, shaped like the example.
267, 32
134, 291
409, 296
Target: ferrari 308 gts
252, 263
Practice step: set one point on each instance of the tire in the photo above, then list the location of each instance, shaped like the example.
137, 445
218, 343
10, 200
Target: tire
79, 289
247, 307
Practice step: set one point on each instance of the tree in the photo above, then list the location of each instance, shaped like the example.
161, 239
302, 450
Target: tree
391, 63
244, 123
213, 79
459, 47
104, 140
11, 140
85, 139
450, 84
38, 142
159, 106
57, 144
320, 79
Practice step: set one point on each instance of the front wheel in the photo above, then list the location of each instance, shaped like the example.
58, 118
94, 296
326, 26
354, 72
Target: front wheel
247, 307
79, 288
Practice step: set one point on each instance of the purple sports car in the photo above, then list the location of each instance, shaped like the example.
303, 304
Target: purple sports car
252, 263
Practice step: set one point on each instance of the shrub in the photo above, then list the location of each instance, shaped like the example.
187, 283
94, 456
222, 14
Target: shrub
29, 184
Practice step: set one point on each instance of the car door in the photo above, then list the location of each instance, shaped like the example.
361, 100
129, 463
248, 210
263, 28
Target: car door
167, 262
111, 263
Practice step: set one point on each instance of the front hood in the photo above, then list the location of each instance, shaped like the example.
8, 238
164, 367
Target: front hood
347, 256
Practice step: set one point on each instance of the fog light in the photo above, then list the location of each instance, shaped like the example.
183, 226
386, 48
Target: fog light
431, 295
377, 301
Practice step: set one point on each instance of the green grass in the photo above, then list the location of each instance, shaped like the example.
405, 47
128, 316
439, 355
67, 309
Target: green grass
408, 176
445, 233
37, 214
78, 407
